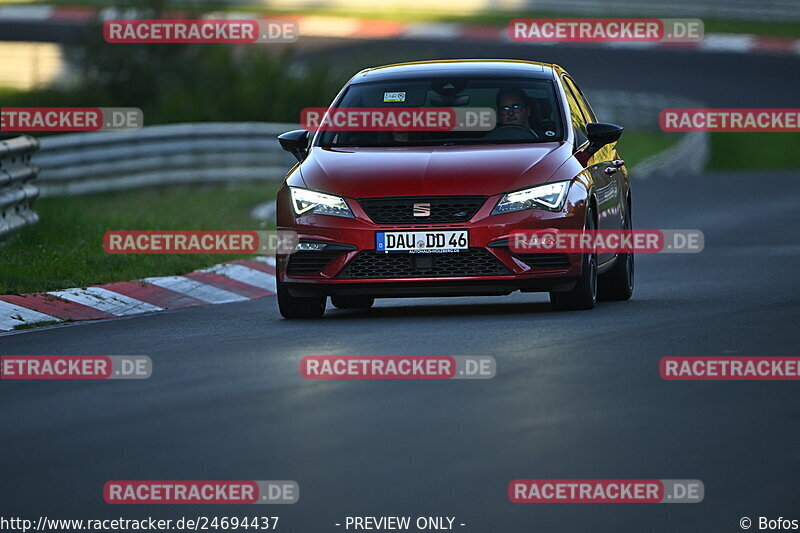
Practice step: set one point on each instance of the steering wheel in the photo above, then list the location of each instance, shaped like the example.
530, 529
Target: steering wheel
508, 128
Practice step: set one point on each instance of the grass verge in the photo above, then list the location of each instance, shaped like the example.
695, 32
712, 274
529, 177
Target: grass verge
43, 323
754, 151
65, 249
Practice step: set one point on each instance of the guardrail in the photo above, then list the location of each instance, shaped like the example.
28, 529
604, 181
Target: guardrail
16, 190
636, 110
83, 163
688, 156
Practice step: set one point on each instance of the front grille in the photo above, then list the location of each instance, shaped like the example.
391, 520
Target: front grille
544, 260
310, 262
400, 210
472, 262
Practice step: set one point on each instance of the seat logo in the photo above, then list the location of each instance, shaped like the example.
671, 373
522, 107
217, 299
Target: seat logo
422, 210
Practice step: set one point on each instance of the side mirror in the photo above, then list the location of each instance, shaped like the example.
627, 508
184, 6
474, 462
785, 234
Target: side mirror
601, 134
295, 142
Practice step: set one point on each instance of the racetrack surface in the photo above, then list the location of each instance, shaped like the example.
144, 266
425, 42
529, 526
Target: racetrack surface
577, 394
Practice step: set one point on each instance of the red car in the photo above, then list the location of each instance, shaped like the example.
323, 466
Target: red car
429, 213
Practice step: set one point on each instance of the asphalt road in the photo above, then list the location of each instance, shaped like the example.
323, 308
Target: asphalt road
577, 394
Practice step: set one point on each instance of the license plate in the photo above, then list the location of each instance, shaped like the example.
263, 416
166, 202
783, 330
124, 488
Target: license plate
422, 241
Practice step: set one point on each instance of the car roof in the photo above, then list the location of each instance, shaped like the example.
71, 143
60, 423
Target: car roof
457, 68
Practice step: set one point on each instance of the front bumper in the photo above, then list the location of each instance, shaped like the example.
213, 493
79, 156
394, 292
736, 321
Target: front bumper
350, 265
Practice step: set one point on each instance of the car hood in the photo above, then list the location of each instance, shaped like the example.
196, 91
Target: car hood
439, 170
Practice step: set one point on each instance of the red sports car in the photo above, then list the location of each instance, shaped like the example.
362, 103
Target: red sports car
382, 214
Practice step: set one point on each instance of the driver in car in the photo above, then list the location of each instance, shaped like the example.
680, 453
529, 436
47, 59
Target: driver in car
513, 109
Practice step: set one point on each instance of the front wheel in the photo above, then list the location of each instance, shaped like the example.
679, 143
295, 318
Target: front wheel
297, 307
617, 283
584, 294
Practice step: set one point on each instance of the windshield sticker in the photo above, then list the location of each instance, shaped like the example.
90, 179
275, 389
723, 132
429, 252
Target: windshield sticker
394, 97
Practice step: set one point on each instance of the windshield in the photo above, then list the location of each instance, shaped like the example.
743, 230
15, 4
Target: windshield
523, 111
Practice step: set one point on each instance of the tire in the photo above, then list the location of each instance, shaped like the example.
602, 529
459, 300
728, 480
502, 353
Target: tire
292, 307
617, 283
584, 294
352, 302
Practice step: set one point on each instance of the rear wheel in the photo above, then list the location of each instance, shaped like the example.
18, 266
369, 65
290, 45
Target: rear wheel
584, 294
352, 302
296, 307
617, 283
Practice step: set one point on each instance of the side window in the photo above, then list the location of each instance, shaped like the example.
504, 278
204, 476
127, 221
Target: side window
588, 113
575, 112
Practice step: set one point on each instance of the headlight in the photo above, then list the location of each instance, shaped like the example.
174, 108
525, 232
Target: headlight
549, 197
307, 202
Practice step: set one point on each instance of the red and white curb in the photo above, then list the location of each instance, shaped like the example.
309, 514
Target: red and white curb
357, 28
235, 281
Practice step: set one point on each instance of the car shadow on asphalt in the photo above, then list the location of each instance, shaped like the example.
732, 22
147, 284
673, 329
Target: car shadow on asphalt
416, 310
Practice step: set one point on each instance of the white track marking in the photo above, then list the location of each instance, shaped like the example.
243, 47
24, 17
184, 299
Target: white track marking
720, 42
424, 30
10, 315
25, 12
244, 274
107, 301
196, 289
